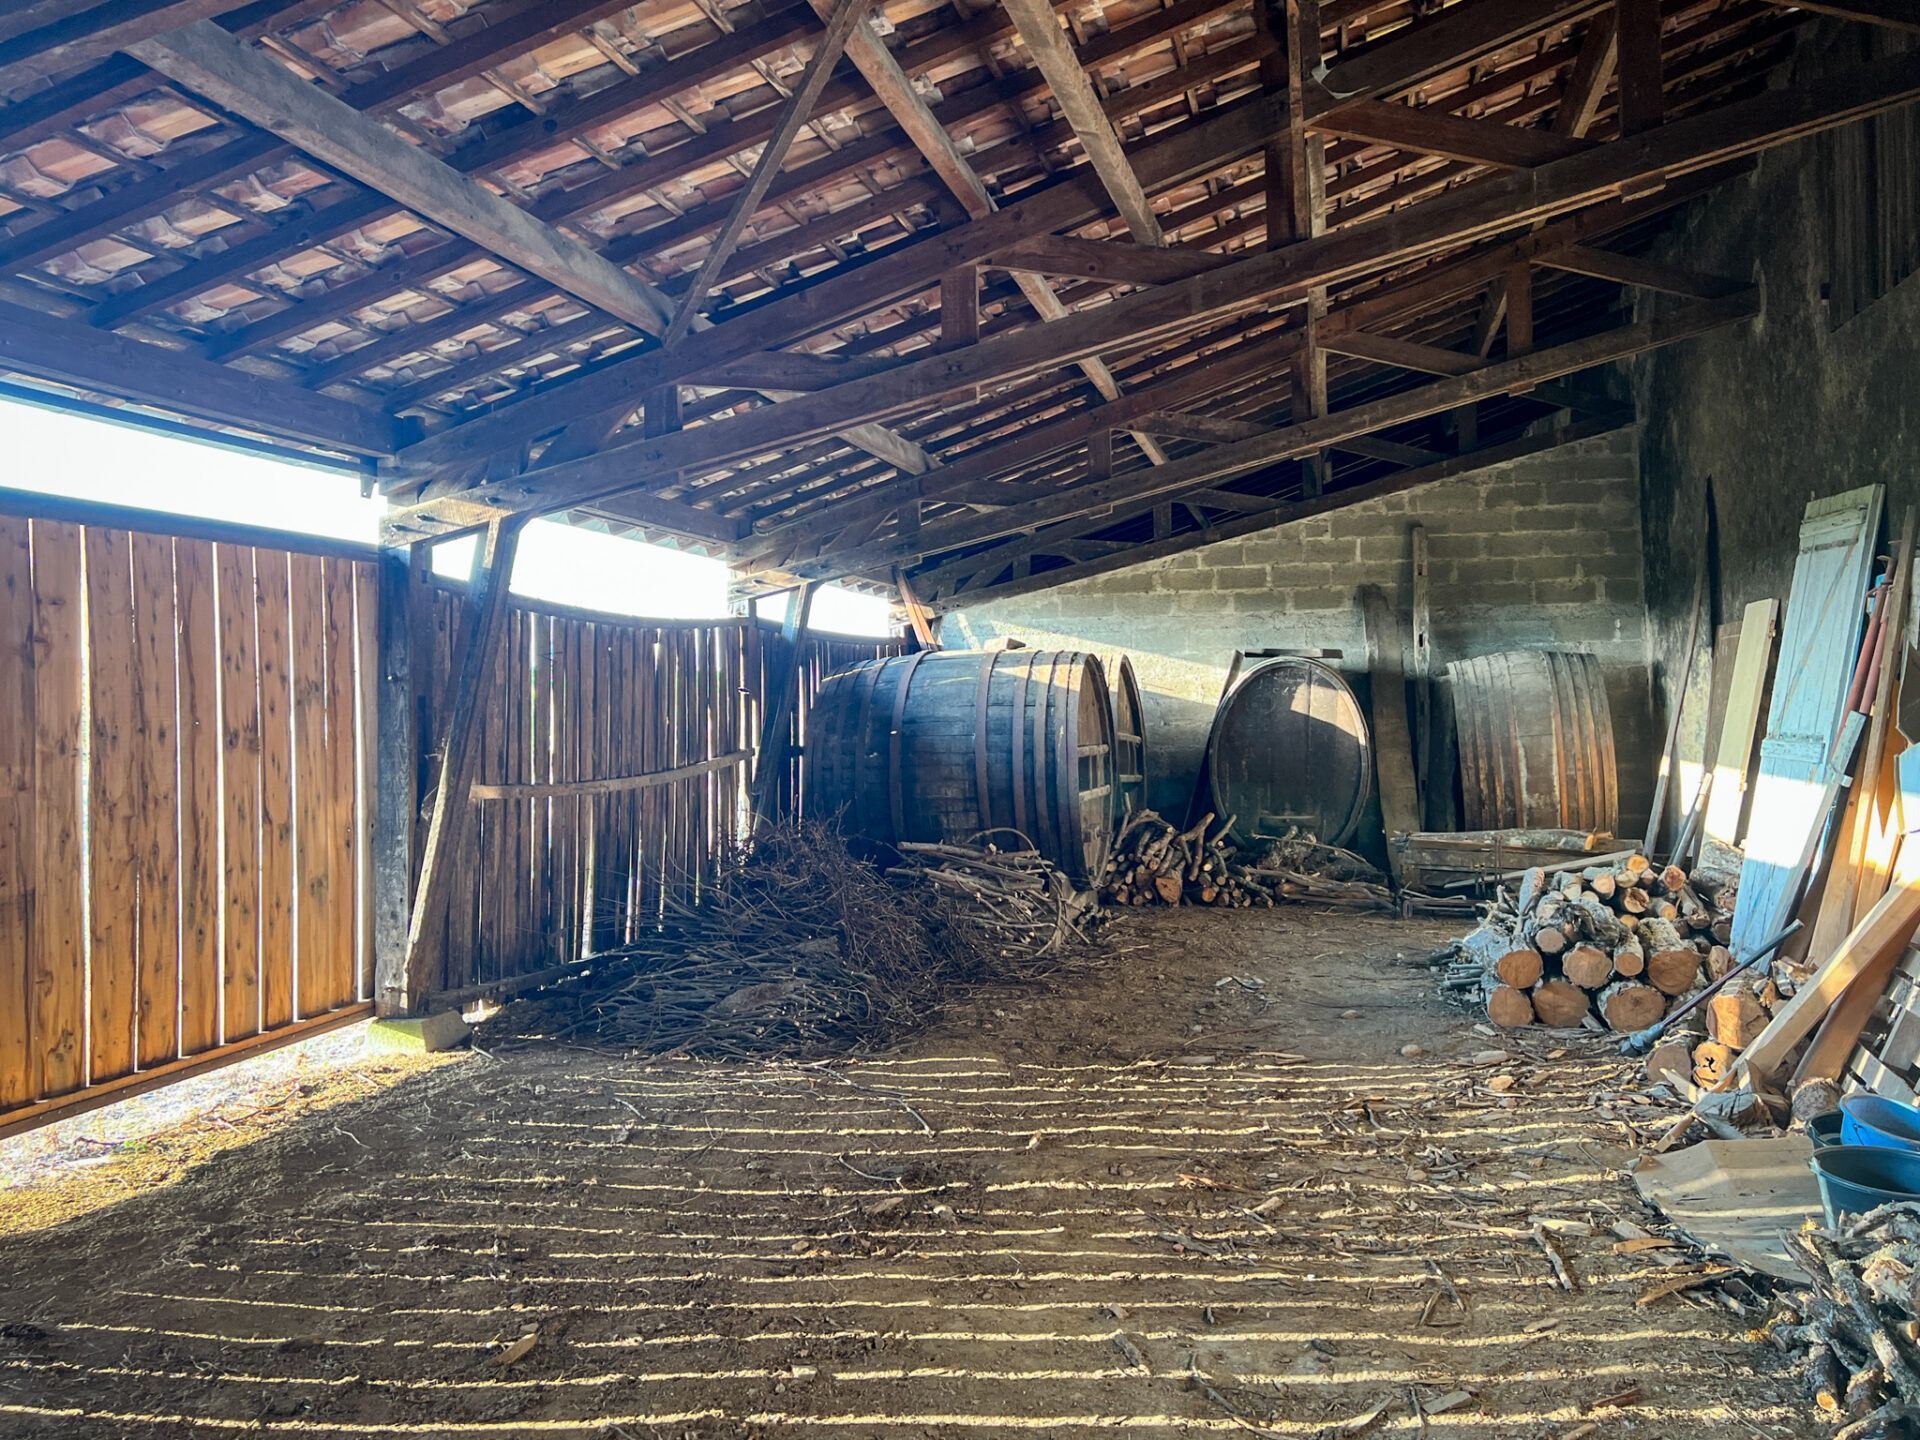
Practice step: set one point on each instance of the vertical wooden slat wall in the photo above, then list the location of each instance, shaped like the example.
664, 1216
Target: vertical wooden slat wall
588, 696
182, 819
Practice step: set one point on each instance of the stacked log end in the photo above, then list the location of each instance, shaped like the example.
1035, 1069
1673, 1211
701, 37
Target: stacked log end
1152, 863
1616, 947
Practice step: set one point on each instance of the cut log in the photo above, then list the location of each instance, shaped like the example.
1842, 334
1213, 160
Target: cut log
1603, 884
1549, 939
1632, 899
1672, 963
1673, 879
1670, 1060
1735, 1018
1520, 969
1719, 961
1168, 887
1629, 959
1599, 923
1712, 1063
1587, 965
1560, 1003
1509, 1007
1628, 1006
1533, 885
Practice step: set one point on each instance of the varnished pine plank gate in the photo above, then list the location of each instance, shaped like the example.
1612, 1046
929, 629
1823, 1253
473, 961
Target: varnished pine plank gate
186, 784
181, 835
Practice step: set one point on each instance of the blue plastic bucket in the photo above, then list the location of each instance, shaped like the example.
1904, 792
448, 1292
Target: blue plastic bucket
1856, 1178
1824, 1130
1870, 1120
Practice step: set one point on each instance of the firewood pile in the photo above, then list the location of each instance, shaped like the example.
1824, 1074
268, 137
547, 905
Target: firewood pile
799, 948
1617, 945
1858, 1323
1152, 863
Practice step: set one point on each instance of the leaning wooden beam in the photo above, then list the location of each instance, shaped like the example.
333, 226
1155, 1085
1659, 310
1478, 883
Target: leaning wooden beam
251, 83
782, 695
1293, 441
1039, 28
799, 109
71, 354
459, 760
1276, 511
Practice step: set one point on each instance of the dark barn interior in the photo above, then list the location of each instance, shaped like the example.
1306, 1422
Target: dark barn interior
1361, 891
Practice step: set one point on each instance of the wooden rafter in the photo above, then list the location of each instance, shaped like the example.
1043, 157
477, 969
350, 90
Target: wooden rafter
1040, 29
1470, 212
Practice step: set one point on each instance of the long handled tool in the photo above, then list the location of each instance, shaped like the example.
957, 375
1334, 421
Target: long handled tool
1641, 1041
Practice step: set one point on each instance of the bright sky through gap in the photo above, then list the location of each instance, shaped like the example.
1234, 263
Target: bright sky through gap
62, 453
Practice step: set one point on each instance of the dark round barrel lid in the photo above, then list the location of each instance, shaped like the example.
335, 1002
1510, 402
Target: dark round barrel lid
1290, 748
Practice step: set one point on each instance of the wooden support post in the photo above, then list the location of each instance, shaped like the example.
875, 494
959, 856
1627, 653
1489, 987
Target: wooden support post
776, 731
1100, 454
396, 792
1642, 88
960, 307
480, 635
661, 415
1425, 753
1520, 311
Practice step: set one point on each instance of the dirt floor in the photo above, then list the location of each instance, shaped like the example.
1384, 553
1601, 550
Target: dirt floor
1198, 1191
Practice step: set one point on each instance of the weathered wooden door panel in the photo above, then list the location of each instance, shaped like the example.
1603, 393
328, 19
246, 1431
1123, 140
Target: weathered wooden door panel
1818, 644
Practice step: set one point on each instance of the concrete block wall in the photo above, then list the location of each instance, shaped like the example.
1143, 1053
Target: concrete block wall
1543, 552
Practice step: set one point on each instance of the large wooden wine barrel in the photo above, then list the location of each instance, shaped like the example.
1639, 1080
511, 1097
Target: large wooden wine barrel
945, 744
1129, 737
1536, 741
1290, 749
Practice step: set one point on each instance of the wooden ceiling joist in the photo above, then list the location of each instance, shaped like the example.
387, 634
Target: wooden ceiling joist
1469, 213
244, 81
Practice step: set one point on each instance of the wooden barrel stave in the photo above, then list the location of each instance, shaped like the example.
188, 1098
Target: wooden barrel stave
1536, 741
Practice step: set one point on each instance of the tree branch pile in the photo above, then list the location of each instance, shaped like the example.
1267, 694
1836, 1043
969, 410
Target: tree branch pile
798, 948
1859, 1321
1621, 944
1152, 863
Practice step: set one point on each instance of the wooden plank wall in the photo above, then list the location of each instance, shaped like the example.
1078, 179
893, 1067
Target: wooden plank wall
582, 697
181, 831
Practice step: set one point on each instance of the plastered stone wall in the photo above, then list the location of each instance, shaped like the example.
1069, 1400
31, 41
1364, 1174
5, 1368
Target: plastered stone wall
1541, 552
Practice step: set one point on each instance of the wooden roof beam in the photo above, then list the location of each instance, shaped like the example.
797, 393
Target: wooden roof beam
1457, 35
1223, 462
1433, 132
898, 273
45, 348
1269, 513
1039, 28
250, 83
1469, 213
794, 117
